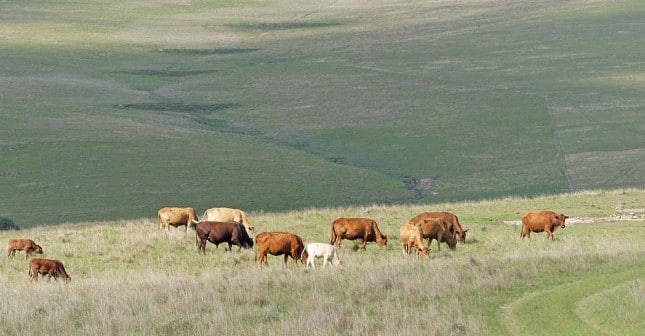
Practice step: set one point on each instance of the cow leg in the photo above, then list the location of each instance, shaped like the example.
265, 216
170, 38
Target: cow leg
262, 258
295, 258
549, 234
311, 260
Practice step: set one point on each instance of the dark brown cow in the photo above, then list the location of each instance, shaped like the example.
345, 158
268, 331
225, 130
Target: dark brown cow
176, 217
228, 215
47, 267
278, 243
221, 232
437, 229
547, 221
363, 229
453, 222
26, 245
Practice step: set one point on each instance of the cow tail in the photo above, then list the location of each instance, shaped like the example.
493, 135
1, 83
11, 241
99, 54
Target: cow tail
333, 236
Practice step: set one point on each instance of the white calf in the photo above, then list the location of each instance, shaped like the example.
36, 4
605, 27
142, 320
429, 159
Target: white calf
317, 250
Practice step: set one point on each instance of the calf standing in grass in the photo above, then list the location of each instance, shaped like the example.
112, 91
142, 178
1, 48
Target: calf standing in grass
547, 221
47, 267
320, 250
26, 245
411, 239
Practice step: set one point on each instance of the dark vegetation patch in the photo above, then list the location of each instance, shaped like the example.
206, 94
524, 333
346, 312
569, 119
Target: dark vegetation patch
211, 51
194, 116
419, 187
196, 109
7, 224
167, 73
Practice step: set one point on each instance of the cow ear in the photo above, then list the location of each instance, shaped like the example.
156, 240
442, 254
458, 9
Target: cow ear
466, 230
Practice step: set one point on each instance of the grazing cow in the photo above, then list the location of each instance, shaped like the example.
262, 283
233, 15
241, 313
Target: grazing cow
450, 218
363, 229
437, 229
320, 250
547, 221
228, 215
221, 232
176, 217
26, 245
278, 243
47, 267
411, 240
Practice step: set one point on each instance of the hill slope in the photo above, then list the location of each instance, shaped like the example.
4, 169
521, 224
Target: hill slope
112, 111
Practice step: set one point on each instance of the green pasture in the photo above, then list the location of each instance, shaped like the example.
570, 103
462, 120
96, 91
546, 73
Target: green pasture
130, 278
113, 109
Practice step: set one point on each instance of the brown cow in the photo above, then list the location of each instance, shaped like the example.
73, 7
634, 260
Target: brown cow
26, 245
363, 229
47, 267
227, 215
547, 221
221, 232
278, 243
176, 217
411, 239
437, 229
453, 223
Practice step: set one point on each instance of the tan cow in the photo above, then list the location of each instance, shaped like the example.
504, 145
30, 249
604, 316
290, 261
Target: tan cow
411, 240
279, 243
47, 267
453, 222
176, 217
228, 215
437, 229
26, 245
547, 221
363, 229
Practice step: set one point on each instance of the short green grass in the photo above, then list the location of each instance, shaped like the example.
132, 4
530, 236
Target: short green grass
113, 110
130, 278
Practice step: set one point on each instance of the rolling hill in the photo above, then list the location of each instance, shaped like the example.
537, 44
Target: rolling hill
113, 110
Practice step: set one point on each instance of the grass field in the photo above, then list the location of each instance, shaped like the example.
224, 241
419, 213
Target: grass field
129, 278
112, 110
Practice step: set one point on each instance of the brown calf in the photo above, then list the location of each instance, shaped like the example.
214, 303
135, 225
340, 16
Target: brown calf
47, 267
26, 245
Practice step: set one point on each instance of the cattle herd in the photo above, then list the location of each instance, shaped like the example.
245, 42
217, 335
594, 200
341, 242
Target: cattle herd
231, 226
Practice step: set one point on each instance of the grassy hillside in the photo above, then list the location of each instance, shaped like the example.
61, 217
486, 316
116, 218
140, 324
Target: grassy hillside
115, 109
129, 278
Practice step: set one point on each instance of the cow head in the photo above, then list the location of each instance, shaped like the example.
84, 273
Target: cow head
461, 236
304, 256
450, 240
381, 240
38, 249
424, 252
560, 219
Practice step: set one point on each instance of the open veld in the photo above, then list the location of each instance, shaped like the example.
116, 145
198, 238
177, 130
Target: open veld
113, 109
129, 278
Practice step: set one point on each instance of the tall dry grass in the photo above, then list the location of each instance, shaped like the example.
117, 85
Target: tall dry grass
130, 278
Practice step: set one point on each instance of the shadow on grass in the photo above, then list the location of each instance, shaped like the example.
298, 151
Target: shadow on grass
268, 26
166, 73
195, 109
212, 51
